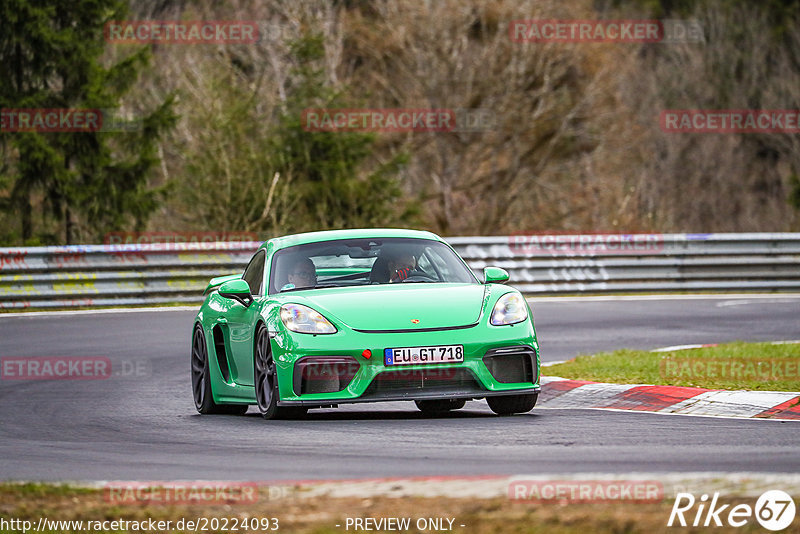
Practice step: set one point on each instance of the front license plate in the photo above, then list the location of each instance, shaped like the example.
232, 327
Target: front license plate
417, 355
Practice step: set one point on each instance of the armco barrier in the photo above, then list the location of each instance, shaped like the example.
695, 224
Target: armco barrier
105, 275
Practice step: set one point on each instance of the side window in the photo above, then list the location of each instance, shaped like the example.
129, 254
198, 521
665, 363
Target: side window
254, 273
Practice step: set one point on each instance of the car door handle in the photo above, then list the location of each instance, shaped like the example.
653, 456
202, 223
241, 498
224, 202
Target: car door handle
222, 320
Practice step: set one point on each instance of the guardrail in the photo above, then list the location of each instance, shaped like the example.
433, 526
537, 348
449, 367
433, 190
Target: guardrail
111, 275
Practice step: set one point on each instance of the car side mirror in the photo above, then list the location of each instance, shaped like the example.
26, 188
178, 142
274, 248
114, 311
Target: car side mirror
494, 275
238, 290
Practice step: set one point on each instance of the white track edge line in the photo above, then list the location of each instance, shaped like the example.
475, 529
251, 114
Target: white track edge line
105, 311
594, 298
733, 417
709, 296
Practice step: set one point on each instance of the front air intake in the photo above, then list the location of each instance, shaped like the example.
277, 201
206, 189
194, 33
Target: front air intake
446, 381
512, 365
323, 374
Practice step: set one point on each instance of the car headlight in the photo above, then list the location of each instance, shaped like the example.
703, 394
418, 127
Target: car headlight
304, 320
510, 309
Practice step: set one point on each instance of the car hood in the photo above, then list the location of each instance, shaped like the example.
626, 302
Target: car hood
401, 306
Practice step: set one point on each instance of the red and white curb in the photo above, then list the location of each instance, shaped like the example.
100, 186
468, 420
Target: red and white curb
564, 393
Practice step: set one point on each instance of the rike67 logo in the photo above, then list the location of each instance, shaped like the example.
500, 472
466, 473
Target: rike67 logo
774, 510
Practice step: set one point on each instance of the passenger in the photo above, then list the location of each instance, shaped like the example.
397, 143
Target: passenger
303, 274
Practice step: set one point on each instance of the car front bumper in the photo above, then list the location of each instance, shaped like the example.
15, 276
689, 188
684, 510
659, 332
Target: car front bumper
373, 381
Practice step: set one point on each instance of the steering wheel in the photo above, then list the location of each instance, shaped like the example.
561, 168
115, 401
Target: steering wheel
419, 276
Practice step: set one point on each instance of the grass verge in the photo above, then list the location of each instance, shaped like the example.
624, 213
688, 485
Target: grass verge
321, 515
738, 365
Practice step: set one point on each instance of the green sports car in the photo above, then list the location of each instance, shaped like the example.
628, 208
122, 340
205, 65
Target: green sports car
325, 318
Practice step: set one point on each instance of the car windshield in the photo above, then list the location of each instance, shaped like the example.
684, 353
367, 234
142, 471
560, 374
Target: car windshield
357, 262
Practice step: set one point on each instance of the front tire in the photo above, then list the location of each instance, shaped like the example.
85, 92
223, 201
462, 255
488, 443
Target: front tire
201, 380
266, 381
511, 404
439, 406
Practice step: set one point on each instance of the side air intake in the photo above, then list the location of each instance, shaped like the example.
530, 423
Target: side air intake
222, 354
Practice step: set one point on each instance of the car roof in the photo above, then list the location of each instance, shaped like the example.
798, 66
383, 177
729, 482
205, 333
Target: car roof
332, 235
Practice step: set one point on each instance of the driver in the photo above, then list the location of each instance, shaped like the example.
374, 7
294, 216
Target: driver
400, 266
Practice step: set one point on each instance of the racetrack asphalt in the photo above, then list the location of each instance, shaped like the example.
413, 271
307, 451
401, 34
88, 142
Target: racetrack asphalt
143, 426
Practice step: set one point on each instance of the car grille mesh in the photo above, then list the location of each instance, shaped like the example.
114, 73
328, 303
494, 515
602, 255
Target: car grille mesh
444, 380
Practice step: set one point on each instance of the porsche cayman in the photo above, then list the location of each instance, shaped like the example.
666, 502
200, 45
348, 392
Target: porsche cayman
326, 318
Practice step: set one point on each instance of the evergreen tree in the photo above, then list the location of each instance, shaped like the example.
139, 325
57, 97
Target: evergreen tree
324, 166
256, 168
84, 183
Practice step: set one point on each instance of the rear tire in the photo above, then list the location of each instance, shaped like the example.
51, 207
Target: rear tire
439, 406
201, 380
511, 404
266, 382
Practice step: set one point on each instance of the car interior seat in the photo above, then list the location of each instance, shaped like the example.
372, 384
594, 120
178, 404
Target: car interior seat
380, 271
